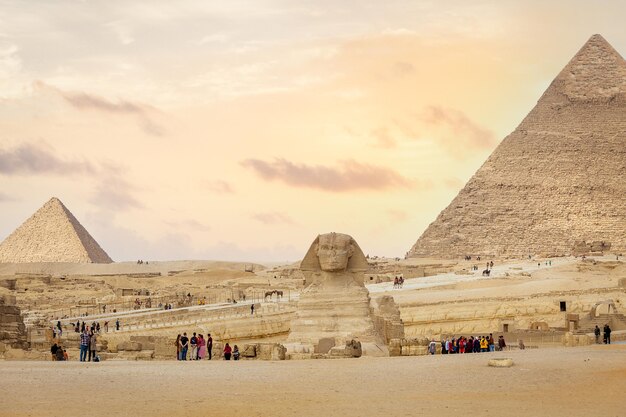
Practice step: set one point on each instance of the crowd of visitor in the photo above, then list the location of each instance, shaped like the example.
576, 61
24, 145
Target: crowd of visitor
198, 348
471, 345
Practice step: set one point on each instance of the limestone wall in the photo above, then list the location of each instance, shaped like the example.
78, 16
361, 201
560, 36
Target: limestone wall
12, 328
469, 317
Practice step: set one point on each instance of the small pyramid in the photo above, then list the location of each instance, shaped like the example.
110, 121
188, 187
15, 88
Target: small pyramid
52, 234
556, 183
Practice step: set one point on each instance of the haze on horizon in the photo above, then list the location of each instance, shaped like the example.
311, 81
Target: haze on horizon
240, 130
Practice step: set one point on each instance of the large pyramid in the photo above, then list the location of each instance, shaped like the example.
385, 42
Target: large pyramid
52, 234
558, 180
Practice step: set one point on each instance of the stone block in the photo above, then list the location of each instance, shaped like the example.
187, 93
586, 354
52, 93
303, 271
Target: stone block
248, 351
324, 345
353, 349
129, 346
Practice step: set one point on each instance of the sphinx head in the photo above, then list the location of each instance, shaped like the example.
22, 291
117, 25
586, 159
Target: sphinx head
334, 250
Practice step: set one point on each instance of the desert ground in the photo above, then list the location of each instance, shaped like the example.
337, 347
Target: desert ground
583, 381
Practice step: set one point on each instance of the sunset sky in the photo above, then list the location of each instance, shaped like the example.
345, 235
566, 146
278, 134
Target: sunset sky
240, 130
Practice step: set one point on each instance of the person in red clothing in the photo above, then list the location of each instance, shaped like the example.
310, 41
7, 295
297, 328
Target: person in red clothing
227, 352
462, 345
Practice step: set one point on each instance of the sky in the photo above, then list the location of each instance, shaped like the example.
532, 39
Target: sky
241, 130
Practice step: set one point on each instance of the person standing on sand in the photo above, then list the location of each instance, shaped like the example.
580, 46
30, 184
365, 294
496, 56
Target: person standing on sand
201, 347
492, 343
501, 343
84, 345
432, 347
252, 309
607, 334
177, 347
184, 345
60, 356
93, 345
117, 324
596, 332
209, 346
53, 351
227, 352
194, 347
236, 353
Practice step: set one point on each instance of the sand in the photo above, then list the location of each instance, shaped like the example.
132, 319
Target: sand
582, 381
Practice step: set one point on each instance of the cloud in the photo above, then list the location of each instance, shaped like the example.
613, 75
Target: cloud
5, 198
10, 62
190, 224
403, 68
273, 218
220, 187
348, 176
31, 158
84, 101
90, 102
115, 193
219, 37
384, 139
397, 215
455, 128
121, 31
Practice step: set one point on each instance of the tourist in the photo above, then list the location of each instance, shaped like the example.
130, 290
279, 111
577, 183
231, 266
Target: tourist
227, 352
60, 331
432, 347
462, 343
596, 331
53, 351
117, 324
252, 309
201, 347
484, 344
82, 327
60, 354
77, 327
236, 353
209, 346
521, 345
98, 327
194, 347
395, 282
607, 334
501, 343
443, 347
93, 346
476, 344
184, 345
84, 345
492, 343
177, 347
65, 355
106, 327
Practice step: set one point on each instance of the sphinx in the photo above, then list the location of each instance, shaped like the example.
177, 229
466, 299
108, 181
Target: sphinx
334, 307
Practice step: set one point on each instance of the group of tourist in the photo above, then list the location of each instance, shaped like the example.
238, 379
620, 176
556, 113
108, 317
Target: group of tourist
58, 353
198, 348
465, 345
95, 326
607, 334
89, 345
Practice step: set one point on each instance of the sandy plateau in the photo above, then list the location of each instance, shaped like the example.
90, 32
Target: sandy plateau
584, 381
